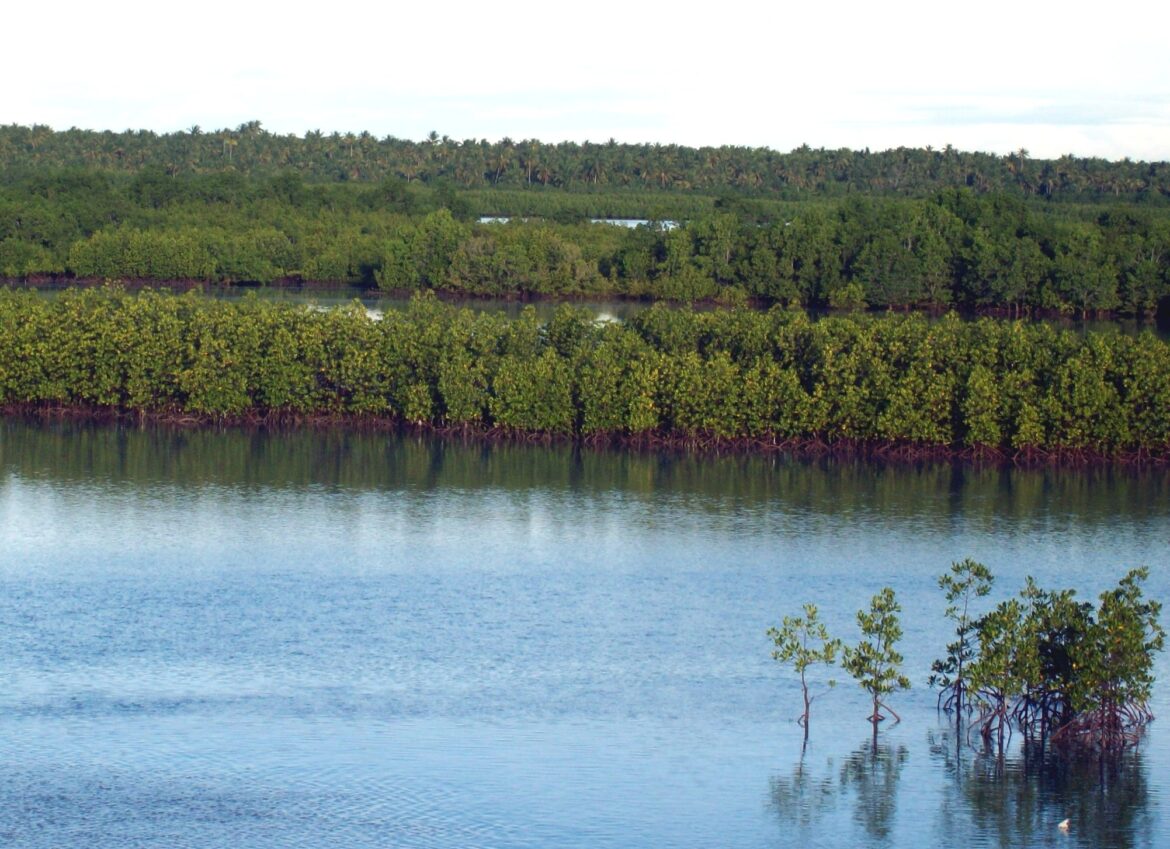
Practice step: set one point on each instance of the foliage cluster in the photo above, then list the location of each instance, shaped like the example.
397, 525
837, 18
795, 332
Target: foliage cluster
875, 662
803, 642
955, 248
249, 149
967, 581
1049, 664
1044, 662
776, 377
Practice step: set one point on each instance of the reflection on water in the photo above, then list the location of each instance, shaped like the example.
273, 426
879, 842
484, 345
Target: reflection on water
866, 785
870, 776
804, 798
982, 800
995, 499
321, 638
1022, 799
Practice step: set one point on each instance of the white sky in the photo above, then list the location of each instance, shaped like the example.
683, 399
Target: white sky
1051, 77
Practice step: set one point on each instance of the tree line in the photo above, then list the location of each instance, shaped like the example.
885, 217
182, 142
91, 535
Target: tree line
898, 384
955, 249
586, 166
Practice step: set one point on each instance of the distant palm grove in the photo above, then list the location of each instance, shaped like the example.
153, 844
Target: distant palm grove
902, 228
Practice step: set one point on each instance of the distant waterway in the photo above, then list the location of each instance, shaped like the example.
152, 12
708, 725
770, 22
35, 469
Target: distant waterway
378, 303
325, 639
628, 223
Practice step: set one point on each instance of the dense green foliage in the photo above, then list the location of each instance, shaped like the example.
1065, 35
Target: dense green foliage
955, 249
251, 212
778, 377
530, 164
1056, 668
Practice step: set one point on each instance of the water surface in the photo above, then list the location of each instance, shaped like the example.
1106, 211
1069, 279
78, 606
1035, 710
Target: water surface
329, 639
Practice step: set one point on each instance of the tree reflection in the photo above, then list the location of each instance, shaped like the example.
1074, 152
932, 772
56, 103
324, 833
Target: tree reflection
360, 460
871, 774
803, 798
868, 777
1021, 799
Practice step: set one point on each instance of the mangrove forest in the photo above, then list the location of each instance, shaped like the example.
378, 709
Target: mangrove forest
899, 384
897, 229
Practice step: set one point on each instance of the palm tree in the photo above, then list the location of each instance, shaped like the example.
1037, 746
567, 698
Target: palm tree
529, 151
502, 158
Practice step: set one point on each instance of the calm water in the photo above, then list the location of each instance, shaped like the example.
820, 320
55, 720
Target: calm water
325, 640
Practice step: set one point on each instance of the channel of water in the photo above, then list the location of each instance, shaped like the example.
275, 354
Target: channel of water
324, 638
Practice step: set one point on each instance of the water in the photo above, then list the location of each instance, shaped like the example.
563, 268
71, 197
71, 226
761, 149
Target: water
628, 223
325, 639
377, 304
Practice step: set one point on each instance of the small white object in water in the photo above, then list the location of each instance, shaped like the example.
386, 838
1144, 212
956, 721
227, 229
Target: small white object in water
1062, 825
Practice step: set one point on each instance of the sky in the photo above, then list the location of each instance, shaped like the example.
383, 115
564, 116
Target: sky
1051, 78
